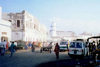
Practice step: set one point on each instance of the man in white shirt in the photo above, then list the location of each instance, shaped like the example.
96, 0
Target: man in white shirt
4, 43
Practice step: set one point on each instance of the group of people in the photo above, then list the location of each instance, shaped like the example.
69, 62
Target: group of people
6, 46
94, 48
30, 45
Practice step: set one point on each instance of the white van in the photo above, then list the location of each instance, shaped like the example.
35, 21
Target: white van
63, 45
78, 48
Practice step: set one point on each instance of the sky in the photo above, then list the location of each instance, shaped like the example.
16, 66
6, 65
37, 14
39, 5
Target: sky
70, 15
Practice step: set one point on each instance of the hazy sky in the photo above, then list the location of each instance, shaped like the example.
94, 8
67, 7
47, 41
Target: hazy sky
71, 15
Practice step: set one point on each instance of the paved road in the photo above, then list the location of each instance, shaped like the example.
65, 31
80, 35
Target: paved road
29, 59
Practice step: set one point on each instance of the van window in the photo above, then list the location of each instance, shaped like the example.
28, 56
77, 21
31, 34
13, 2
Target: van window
63, 43
75, 45
78, 45
72, 44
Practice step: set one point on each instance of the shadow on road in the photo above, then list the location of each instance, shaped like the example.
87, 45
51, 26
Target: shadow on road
68, 63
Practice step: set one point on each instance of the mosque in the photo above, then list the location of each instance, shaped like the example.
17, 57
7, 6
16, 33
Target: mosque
66, 35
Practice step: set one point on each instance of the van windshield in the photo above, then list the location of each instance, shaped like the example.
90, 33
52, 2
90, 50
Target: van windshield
72, 44
75, 45
63, 43
78, 45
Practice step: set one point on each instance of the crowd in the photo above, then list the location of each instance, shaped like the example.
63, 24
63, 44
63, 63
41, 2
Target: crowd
94, 48
44, 46
7, 46
11, 47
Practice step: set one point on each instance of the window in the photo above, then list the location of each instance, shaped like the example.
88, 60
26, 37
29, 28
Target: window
78, 45
18, 23
72, 44
63, 43
75, 45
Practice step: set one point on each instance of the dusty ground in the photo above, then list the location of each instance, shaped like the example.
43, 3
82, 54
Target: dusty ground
26, 58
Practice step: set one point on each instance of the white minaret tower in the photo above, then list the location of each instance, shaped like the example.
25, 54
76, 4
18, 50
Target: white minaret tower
53, 29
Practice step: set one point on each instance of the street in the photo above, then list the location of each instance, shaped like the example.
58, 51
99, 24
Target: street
27, 58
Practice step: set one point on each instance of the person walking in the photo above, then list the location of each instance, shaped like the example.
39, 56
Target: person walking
7, 46
12, 49
30, 45
33, 47
1, 47
26, 46
3, 50
94, 50
56, 50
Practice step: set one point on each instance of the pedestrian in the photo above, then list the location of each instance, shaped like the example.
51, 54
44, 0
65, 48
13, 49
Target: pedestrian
12, 49
1, 46
33, 47
98, 45
56, 50
29, 45
50, 46
3, 50
94, 46
26, 46
7, 45
94, 50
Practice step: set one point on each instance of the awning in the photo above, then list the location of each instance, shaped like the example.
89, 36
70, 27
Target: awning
93, 37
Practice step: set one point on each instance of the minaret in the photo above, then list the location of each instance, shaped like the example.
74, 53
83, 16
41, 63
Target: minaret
53, 29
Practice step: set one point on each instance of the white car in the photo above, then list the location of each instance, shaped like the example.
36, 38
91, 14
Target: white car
63, 45
78, 48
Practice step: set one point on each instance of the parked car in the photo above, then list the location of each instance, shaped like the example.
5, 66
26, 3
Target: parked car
78, 48
63, 45
46, 47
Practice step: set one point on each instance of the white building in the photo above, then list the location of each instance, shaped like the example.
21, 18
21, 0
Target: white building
5, 29
59, 35
84, 35
26, 27
68, 35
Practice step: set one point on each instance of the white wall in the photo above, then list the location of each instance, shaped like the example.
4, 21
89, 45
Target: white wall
0, 12
5, 26
17, 36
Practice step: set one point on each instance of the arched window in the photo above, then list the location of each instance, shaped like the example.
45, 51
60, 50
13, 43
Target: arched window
4, 38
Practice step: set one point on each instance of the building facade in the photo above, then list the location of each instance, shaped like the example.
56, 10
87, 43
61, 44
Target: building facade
5, 29
59, 35
25, 27
67, 35
84, 35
